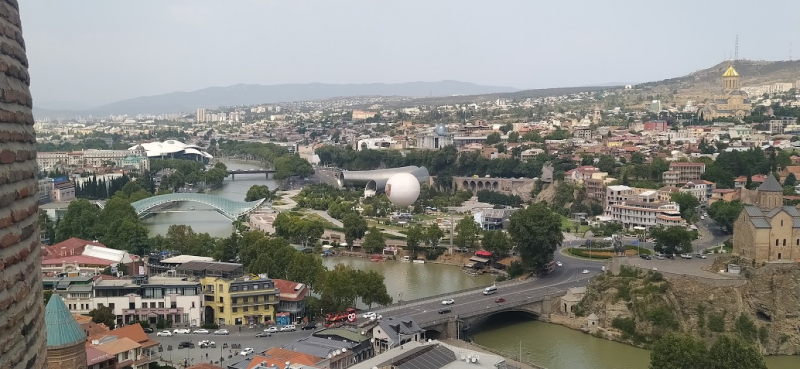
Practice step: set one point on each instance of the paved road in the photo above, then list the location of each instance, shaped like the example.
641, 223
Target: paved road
568, 275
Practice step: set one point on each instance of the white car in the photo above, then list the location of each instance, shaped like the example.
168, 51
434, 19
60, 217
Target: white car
221, 331
182, 331
246, 351
606, 238
701, 256
206, 343
271, 330
585, 271
448, 302
164, 334
370, 315
559, 263
288, 328
201, 331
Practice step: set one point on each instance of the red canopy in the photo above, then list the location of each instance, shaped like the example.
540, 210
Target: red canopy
483, 253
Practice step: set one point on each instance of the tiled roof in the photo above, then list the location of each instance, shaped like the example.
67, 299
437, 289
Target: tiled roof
753, 211
117, 346
62, 329
95, 356
77, 259
760, 223
290, 291
288, 355
72, 246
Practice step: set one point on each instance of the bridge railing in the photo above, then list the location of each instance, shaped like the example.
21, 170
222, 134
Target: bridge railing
513, 282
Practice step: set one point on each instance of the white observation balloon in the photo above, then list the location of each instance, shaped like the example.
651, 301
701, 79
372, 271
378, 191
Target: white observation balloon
402, 189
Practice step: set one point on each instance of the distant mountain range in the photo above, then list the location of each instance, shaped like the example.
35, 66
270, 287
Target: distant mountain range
243, 94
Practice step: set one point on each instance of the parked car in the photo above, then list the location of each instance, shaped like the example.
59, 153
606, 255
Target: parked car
607, 238
645, 257
288, 328
264, 334
660, 256
221, 331
246, 351
186, 344
448, 302
147, 330
686, 256
310, 325
206, 343
670, 256
445, 310
370, 315
182, 331
200, 331
700, 256
164, 334
272, 329
500, 300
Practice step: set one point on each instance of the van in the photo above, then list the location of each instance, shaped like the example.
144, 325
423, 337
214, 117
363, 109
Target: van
491, 290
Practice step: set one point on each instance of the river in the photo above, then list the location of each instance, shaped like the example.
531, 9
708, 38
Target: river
554, 347
549, 345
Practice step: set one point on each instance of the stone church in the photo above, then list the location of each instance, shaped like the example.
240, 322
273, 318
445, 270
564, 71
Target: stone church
732, 103
768, 231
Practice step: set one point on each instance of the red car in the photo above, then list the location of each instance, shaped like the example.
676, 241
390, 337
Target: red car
499, 300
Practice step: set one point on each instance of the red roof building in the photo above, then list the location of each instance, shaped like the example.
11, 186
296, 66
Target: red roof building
72, 246
292, 298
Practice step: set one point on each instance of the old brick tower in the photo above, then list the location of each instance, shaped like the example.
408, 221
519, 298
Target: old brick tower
22, 336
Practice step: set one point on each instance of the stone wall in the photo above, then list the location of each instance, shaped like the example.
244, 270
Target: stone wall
22, 333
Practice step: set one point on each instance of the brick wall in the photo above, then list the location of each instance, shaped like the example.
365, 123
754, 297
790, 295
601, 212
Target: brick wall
22, 333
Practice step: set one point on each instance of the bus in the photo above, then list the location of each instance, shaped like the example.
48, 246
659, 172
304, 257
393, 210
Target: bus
549, 268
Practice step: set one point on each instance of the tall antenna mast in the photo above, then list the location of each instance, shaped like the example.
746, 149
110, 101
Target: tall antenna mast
736, 54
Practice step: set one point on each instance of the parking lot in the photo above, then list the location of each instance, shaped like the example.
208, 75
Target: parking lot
691, 266
246, 338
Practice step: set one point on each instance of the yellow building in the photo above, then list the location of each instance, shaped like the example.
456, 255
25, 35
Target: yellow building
732, 102
769, 231
230, 297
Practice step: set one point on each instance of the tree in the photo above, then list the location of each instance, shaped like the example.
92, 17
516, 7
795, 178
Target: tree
673, 240
257, 192
496, 242
298, 229
513, 137
305, 268
508, 127
371, 288
492, 138
729, 352
433, 235
80, 220
355, 227
606, 163
536, 232
790, 180
675, 351
725, 213
337, 289
373, 241
416, 234
637, 158
688, 203
105, 315
467, 231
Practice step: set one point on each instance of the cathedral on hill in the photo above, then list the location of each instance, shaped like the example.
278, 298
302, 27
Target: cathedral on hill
732, 103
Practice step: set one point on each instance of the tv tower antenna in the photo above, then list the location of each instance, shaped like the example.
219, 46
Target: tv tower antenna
736, 47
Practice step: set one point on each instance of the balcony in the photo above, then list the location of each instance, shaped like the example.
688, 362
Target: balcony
156, 311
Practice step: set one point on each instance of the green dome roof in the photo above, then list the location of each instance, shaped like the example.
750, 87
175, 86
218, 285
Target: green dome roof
62, 329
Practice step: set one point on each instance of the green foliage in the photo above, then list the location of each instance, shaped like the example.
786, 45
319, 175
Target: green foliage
725, 213
496, 242
497, 198
104, 315
688, 203
730, 352
585, 254
373, 241
340, 287
492, 138
257, 192
415, 235
625, 325
623, 292
675, 351
661, 316
298, 229
536, 231
790, 180
467, 232
433, 234
763, 334
673, 240
355, 227
515, 269
286, 164
716, 322
746, 328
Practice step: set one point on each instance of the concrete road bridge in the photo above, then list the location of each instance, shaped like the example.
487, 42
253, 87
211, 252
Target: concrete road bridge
231, 209
234, 172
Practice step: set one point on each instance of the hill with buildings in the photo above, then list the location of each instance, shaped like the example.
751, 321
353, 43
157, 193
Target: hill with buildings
250, 94
705, 82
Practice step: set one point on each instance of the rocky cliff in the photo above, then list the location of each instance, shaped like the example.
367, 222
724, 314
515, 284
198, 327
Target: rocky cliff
640, 306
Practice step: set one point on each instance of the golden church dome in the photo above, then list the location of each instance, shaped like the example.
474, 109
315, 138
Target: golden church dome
731, 72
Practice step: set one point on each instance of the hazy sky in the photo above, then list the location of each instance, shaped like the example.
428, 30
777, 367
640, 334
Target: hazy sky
93, 52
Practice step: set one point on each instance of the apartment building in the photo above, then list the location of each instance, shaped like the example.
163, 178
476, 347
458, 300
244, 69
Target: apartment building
230, 297
645, 214
595, 189
135, 159
580, 174
680, 173
129, 345
700, 189
143, 298
62, 190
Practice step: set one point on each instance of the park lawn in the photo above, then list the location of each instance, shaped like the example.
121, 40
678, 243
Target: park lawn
567, 226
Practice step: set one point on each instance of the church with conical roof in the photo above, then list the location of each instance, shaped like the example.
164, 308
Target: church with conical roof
733, 102
768, 231
66, 341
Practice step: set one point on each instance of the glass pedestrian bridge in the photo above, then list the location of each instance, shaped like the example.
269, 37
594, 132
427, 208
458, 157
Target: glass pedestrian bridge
231, 209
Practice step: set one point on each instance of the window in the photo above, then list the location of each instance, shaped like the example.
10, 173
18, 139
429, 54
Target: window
244, 287
192, 303
144, 305
221, 300
173, 304
255, 286
152, 305
221, 309
131, 305
111, 305
234, 309
221, 290
234, 300
255, 308
161, 305
781, 222
245, 308
776, 242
